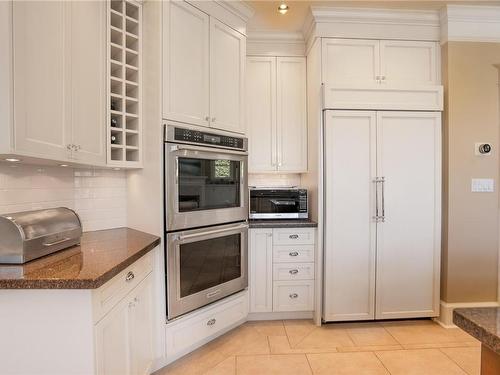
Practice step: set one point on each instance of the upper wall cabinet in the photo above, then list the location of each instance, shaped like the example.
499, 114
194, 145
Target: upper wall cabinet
203, 69
276, 114
368, 62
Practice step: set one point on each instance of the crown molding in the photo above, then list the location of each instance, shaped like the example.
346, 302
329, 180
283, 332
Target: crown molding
238, 7
470, 23
275, 43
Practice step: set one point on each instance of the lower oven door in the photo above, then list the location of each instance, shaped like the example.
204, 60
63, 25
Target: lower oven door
205, 265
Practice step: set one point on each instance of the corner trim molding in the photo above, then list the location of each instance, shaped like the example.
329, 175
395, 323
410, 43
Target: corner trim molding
270, 43
239, 8
445, 318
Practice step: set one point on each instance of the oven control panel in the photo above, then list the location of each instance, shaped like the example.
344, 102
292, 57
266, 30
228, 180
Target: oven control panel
217, 140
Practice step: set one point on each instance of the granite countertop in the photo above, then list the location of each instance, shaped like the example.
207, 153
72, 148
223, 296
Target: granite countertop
100, 256
291, 223
483, 323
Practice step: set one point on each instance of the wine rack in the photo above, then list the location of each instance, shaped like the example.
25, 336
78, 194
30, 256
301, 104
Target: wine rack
124, 130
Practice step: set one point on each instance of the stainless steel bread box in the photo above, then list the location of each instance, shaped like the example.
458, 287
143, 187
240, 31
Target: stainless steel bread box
25, 236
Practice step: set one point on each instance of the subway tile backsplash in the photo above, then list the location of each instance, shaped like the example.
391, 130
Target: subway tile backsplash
98, 196
274, 180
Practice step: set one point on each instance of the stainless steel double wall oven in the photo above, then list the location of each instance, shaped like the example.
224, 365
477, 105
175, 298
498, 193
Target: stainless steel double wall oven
206, 212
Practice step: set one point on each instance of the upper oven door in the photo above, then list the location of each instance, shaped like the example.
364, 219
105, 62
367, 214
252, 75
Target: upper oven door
204, 186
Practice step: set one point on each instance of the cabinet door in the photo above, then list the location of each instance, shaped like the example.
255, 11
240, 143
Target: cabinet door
142, 328
261, 113
351, 62
261, 270
40, 88
87, 53
186, 63
408, 242
408, 62
349, 209
227, 75
291, 109
113, 349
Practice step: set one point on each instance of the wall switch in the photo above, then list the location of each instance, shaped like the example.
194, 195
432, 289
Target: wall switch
483, 185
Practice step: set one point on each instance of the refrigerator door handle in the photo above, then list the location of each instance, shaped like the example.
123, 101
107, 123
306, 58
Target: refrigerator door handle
376, 217
382, 180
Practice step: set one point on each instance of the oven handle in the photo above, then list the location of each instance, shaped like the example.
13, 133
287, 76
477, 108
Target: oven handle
206, 149
215, 231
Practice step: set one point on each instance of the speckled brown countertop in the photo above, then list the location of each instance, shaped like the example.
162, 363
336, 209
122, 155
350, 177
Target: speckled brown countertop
291, 223
482, 323
100, 256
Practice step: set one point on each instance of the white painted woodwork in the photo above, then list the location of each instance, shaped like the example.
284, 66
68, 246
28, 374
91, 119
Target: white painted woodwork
186, 63
408, 242
6, 97
350, 247
189, 332
293, 296
293, 236
293, 253
227, 76
293, 271
261, 114
408, 62
261, 270
291, 114
351, 62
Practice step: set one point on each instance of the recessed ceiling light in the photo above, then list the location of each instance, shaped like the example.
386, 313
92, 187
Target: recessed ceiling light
13, 160
283, 8
116, 169
63, 165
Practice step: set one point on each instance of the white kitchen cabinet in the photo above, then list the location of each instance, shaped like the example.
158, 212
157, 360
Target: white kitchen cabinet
383, 212
261, 270
59, 81
203, 69
276, 114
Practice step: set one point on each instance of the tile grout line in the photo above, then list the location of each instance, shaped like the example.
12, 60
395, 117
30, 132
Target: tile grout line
382, 362
309, 363
455, 362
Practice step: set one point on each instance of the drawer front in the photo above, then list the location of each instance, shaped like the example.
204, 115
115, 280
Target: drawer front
293, 296
293, 236
293, 271
293, 254
108, 295
187, 333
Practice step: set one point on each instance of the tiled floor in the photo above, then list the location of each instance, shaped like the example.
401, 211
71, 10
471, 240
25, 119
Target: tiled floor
418, 347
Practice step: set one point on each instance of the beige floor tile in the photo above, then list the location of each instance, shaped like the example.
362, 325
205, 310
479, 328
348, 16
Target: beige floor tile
368, 348
269, 328
297, 330
241, 340
469, 359
196, 363
325, 338
281, 345
346, 364
226, 367
289, 364
370, 334
419, 362
442, 345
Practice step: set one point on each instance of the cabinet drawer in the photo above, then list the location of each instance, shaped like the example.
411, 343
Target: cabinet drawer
293, 296
187, 333
293, 271
293, 254
118, 287
292, 236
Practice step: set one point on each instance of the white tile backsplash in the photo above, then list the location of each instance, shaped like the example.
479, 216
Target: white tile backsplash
278, 180
99, 196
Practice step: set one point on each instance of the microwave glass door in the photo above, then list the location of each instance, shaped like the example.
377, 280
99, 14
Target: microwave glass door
275, 203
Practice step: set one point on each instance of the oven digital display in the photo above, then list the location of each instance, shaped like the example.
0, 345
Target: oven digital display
211, 138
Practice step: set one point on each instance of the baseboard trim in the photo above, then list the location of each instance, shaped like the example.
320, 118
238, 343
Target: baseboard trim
445, 318
281, 315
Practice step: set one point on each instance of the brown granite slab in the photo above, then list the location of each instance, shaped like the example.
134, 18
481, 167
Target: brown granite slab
100, 256
291, 223
483, 323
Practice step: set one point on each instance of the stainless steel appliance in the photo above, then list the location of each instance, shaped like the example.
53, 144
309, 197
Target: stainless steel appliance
205, 178
206, 213
278, 203
25, 236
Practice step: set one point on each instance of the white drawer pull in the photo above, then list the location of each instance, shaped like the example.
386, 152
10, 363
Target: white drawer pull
293, 295
293, 236
130, 276
293, 253
211, 322
293, 272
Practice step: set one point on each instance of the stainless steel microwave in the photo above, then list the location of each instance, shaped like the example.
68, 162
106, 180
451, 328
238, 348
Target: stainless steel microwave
278, 203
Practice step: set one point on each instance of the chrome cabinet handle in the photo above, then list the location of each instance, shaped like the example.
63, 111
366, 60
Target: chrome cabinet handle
293, 253
207, 118
69, 147
293, 236
379, 208
210, 232
130, 276
293, 295
293, 272
383, 199
211, 322
77, 147
56, 242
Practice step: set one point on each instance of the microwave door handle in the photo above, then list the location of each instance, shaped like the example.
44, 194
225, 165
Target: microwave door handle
282, 202
209, 232
206, 149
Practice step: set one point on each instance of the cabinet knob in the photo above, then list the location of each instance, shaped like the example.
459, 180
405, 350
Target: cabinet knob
130, 276
293, 295
293, 236
77, 147
69, 147
211, 322
213, 119
207, 118
293, 253
293, 272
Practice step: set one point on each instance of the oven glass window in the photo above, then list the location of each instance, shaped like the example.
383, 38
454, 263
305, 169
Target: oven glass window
208, 184
208, 263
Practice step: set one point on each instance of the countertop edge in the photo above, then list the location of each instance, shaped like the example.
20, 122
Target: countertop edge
477, 331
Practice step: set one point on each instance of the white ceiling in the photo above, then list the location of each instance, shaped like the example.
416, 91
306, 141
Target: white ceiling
267, 18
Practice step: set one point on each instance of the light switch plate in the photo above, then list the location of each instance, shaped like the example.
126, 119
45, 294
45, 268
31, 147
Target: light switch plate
482, 185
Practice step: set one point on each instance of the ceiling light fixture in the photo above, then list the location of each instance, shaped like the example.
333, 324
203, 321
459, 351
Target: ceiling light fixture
283, 8
12, 160
63, 165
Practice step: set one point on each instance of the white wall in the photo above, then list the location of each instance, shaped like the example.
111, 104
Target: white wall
98, 196
270, 179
